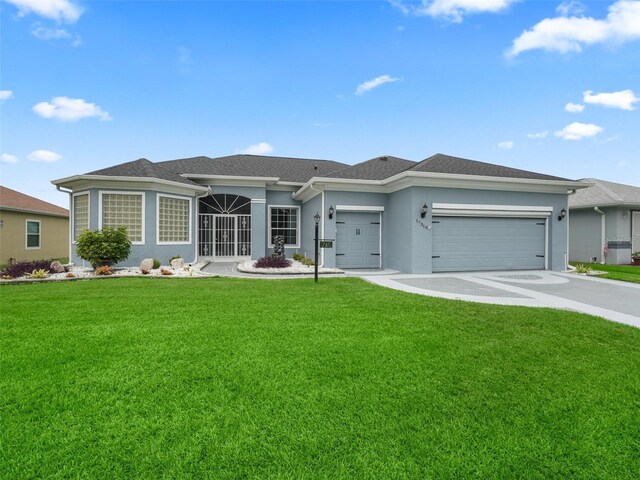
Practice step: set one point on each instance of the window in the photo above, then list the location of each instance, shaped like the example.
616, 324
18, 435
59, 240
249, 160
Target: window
124, 209
174, 219
284, 221
33, 234
80, 214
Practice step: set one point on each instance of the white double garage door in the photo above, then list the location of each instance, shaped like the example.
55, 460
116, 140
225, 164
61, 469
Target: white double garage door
464, 238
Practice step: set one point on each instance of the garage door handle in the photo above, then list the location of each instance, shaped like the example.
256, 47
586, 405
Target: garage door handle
377, 254
339, 254
435, 256
540, 256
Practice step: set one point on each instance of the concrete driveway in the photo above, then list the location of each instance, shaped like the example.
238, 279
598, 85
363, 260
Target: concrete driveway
610, 299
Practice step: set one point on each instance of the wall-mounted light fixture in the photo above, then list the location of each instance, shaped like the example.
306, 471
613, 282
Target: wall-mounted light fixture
563, 213
331, 212
423, 211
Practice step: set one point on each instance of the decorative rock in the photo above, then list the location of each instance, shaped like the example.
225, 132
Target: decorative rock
177, 263
57, 267
146, 264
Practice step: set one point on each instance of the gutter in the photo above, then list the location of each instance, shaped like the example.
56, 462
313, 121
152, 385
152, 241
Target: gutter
603, 232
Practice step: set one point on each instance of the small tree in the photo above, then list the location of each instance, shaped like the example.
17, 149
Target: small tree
104, 247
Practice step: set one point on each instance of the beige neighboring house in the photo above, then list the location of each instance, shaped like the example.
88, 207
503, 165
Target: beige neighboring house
31, 229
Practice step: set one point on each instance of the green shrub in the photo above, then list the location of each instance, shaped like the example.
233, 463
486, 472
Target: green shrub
307, 261
298, 257
581, 268
174, 257
104, 247
156, 263
42, 273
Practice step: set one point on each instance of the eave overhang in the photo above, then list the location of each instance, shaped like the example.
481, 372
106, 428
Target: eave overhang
82, 182
440, 180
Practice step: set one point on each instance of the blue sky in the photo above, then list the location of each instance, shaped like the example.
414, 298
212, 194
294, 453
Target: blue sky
547, 86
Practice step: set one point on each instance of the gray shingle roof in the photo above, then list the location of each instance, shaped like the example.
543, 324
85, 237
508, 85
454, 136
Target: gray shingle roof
378, 168
440, 163
142, 168
298, 170
604, 193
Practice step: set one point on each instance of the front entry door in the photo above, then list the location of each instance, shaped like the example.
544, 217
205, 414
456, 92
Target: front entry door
225, 236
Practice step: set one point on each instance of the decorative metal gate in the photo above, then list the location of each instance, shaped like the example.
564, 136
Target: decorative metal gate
224, 226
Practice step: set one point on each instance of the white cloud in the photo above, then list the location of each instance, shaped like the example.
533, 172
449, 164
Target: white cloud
321, 124
45, 33
5, 95
59, 10
571, 7
538, 135
506, 145
6, 158
261, 148
46, 156
569, 34
574, 107
623, 99
578, 131
374, 83
69, 109
452, 10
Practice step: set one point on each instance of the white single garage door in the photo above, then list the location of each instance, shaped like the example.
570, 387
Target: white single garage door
358, 240
488, 243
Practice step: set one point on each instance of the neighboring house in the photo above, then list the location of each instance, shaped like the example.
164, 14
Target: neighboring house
604, 224
440, 214
31, 229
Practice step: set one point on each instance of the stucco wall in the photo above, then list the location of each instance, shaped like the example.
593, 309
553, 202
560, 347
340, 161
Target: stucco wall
278, 197
585, 237
309, 209
150, 249
54, 237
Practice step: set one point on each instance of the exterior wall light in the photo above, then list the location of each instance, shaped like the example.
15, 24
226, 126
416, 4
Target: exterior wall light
423, 211
331, 212
563, 213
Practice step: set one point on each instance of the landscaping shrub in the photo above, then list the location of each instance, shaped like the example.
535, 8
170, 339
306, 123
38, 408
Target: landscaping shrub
272, 262
41, 273
103, 270
21, 269
156, 264
303, 260
174, 257
104, 247
581, 268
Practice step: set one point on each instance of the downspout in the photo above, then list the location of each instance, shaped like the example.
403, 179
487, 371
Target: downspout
70, 193
195, 227
603, 236
321, 192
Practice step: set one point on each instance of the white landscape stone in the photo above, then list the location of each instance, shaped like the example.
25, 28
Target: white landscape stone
296, 268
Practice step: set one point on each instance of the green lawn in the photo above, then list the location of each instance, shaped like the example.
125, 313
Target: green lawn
625, 273
235, 378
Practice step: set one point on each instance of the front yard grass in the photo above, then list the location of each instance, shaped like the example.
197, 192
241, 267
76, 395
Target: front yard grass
625, 273
235, 378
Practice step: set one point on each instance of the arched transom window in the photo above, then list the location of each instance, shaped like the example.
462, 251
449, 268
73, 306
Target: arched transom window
225, 204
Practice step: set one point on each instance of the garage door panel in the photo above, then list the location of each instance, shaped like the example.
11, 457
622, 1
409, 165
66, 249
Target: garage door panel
358, 240
482, 243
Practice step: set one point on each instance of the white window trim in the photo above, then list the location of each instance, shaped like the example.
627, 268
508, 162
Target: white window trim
123, 192
158, 195
26, 234
73, 213
297, 245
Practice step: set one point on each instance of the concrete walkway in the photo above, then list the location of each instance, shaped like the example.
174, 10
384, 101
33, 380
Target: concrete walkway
610, 299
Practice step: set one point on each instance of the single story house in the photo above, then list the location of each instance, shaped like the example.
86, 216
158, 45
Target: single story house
604, 222
441, 214
31, 229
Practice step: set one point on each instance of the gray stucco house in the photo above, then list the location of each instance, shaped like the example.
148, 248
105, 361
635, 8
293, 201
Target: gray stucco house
441, 214
604, 222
